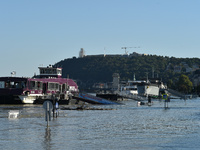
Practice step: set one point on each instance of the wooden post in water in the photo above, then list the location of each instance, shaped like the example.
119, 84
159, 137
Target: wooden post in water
48, 115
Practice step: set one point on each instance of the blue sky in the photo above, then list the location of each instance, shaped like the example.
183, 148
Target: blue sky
43, 32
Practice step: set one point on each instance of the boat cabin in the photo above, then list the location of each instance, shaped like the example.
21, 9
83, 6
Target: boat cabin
50, 72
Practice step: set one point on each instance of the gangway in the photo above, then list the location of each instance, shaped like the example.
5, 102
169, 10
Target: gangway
176, 93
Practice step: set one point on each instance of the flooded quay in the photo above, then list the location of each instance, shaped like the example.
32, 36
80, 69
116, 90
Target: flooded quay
126, 126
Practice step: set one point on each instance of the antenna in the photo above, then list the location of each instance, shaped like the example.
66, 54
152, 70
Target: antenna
134, 79
152, 72
126, 52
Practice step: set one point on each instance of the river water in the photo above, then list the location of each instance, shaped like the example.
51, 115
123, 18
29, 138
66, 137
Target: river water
126, 126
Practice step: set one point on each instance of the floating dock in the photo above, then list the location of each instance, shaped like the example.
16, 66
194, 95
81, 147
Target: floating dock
93, 99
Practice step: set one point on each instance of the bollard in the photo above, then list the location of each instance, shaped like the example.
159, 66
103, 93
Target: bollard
47, 105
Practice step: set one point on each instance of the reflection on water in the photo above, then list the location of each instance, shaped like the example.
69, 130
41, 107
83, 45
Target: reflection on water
125, 127
47, 138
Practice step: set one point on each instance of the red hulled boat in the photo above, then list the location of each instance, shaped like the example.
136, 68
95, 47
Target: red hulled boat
19, 90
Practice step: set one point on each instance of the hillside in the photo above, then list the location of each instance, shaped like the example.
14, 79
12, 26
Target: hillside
94, 69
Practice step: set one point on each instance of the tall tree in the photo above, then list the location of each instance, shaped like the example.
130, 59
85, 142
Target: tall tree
184, 84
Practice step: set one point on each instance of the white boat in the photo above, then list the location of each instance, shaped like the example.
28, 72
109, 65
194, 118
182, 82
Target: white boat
130, 88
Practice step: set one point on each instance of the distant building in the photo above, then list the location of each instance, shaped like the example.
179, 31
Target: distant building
177, 69
182, 67
145, 54
188, 68
81, 53
134, 54
116, 78
103, 55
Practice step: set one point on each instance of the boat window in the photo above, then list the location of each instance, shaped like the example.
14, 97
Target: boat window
32, 85
7, 85
58, 71
63, 87
54, 71
47, 71
51, 86
41, 71
39, 85
2, 84
57, 87
17, 85
23, 84
133, 88
13, 84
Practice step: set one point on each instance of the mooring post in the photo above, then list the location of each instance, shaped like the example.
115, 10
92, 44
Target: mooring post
47, 105
47, 114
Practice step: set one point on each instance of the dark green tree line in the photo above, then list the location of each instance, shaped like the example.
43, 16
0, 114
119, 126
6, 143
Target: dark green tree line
94, 69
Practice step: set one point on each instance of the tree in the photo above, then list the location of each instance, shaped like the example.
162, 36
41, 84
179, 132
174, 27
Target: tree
100, 68
170, 83
198, 89
184, 84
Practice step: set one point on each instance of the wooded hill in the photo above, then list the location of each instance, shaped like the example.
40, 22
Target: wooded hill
96, 69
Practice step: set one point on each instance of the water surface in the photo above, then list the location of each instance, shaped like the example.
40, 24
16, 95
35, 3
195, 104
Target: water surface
125, 127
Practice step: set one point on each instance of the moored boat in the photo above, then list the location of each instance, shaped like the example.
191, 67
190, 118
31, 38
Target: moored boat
130, 88
19, 90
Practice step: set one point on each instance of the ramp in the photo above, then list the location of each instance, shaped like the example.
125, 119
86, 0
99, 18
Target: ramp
93, 99
176, 93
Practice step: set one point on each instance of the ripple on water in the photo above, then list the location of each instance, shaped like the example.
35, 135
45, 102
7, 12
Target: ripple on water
127, 127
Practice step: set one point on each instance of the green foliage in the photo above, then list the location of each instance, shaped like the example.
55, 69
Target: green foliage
94, 69
170, 83
197, 89
184, 84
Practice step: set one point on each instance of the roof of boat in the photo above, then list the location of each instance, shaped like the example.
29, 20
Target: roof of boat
58, 80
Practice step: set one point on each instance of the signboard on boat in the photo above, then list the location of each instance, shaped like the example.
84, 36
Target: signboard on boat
2, 84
